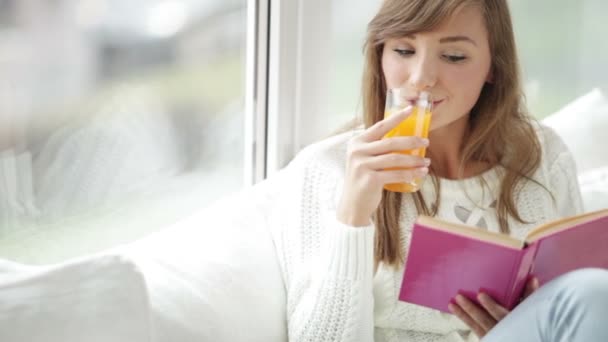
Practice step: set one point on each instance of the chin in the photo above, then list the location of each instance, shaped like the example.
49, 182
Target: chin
442, 121
435, 124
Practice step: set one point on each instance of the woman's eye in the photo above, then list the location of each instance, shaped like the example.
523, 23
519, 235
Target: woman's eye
404, 52
454, 58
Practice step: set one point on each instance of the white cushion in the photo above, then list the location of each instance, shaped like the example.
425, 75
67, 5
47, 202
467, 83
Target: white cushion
97, 299
594, 188
215, 276
583, 124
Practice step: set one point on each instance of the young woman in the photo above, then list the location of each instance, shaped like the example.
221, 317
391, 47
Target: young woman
342, 240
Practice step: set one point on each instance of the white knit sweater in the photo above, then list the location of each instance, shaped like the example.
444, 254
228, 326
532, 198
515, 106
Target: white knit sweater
333, 293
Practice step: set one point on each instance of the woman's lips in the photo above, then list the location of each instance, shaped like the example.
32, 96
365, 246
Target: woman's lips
435, 104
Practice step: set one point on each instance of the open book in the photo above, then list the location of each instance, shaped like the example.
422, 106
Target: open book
447, 259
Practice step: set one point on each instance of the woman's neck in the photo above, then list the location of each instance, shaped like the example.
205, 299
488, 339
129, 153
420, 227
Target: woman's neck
445, 151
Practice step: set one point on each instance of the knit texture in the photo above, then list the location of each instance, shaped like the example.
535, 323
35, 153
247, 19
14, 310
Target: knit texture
333, 293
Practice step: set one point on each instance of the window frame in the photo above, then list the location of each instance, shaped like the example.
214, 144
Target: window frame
296, 63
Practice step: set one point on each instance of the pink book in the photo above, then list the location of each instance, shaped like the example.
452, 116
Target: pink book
446, 259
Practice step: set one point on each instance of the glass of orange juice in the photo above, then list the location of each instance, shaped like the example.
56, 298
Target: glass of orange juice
416, 124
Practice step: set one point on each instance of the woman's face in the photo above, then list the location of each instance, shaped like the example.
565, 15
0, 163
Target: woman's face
452, 63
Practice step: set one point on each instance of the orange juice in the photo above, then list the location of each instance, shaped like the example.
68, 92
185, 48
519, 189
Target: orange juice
417, 124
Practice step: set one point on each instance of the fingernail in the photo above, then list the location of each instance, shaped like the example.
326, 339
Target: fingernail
422, 171
427, 162
459, 299
406, 110
425, 141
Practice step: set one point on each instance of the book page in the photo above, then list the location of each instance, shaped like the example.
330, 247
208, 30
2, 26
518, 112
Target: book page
563, 224
472, 232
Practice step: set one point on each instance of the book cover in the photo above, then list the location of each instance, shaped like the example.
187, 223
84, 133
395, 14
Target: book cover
445, 259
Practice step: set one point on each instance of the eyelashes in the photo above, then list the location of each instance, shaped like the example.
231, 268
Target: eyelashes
404, 52
454, 58
451, 58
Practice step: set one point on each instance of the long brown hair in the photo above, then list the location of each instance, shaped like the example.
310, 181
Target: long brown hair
499, 127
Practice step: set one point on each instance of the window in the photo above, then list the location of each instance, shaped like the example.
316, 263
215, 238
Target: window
347, 57
118, 118
560, 48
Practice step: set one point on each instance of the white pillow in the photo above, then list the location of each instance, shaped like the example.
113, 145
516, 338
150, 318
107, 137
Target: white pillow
594, 188
215, 276
583, 124
97, 299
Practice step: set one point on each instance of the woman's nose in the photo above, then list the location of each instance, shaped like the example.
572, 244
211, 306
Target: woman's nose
423, 74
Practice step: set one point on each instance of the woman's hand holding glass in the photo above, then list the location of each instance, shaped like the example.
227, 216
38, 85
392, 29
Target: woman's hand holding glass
371, 163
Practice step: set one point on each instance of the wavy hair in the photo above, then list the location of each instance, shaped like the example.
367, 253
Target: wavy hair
500, 131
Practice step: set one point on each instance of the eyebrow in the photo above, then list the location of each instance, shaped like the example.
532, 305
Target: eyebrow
450, 39
457, 39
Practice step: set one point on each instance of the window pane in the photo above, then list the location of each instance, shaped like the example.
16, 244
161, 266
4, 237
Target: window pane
348, 34
117, 118
561, 51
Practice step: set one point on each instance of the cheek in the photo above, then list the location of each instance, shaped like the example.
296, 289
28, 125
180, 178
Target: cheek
466, 84
394, 71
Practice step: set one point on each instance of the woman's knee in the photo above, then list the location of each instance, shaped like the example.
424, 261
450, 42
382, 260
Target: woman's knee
585, 286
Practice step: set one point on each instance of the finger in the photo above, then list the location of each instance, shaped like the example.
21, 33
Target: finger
531, 286
393, 144
380, 128
535, 284
396, 160
460, 313
478, 314
399, 176
497, 311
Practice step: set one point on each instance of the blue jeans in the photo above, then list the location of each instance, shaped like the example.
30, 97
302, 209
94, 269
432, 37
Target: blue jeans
571, 308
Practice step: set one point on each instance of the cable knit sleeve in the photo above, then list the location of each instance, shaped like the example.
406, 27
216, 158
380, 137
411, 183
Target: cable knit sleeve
563, 176
327, 266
